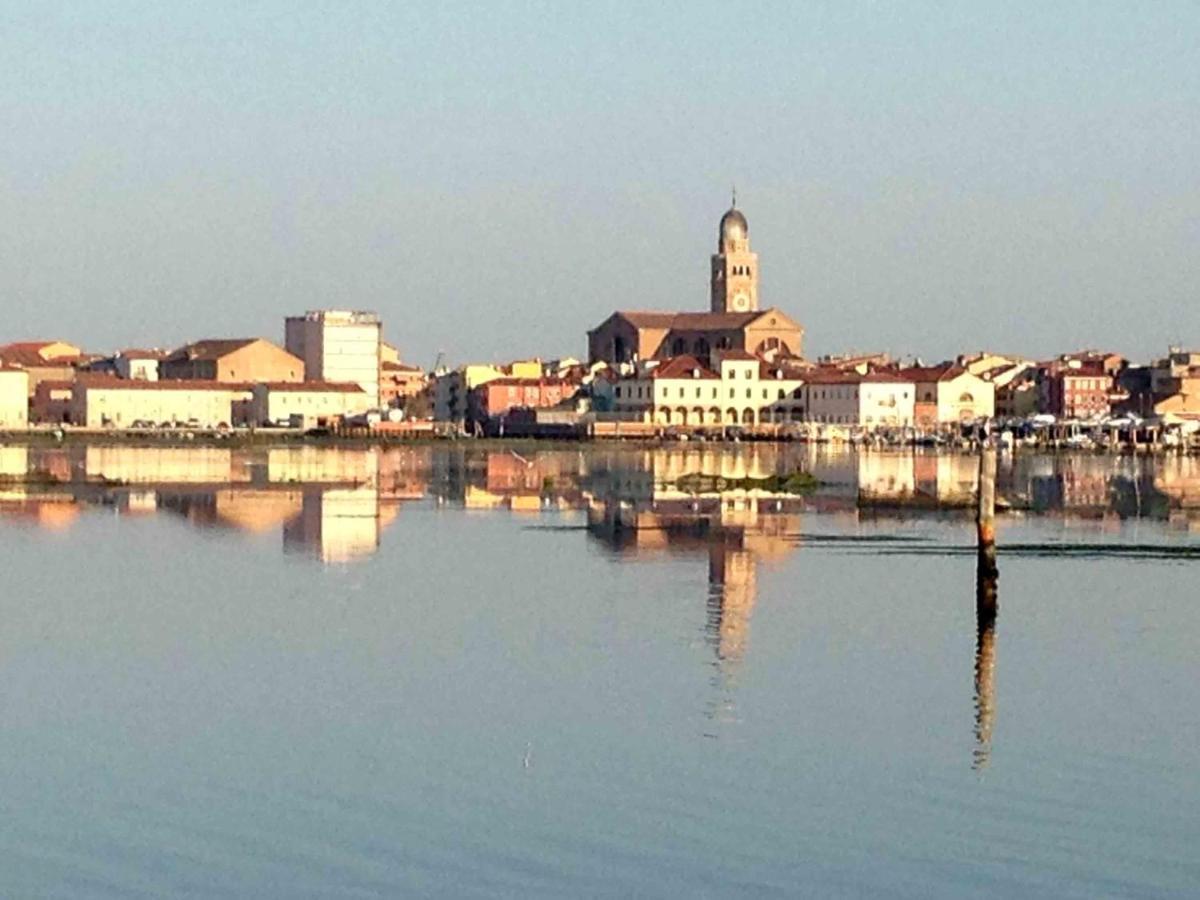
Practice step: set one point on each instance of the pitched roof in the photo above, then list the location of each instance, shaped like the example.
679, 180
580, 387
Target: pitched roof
313, 387
35, 347
852, 377
526, 382
26, 358
135, 353
943, 372
696, 321
682, 367
735, 354
112, 383
211, 348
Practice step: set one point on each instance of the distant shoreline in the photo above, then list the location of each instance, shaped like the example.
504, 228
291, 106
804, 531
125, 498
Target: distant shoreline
266, 439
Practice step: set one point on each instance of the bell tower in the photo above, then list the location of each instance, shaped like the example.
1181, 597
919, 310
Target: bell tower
734, 279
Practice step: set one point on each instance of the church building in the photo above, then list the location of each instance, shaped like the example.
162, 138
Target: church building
733, 322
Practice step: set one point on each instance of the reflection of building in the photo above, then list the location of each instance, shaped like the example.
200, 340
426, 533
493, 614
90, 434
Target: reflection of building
335, 524
159, 465
643, 516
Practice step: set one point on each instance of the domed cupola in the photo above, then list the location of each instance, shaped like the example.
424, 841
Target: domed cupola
733, 228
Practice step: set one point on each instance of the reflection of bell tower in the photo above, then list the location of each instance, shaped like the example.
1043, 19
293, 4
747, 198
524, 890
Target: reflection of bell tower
734, 277
733, 589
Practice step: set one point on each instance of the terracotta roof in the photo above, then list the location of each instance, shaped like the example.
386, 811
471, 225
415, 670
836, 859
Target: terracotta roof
399, 367
527, 382
211, 348
700, 320
842, 377
141, 354
690, 321
682, 367
769, 372
648, 319
27, 358
35, 347
111, 383
943, 372
735, 354
313, 387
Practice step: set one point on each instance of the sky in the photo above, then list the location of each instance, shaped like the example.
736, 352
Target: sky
496, 178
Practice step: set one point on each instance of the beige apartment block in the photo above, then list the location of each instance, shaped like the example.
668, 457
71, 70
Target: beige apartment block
313, 402
870, 401
239, 360
14, 398
338, 345
100, 402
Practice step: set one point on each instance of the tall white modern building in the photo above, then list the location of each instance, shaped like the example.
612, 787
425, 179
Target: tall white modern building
338, 345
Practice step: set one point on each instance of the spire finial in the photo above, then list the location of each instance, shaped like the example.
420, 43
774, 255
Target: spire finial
733, 200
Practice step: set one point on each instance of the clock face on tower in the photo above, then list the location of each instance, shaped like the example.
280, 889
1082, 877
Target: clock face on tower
741, 302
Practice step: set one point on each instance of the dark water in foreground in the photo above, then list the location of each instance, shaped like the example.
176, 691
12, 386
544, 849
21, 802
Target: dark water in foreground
438, 673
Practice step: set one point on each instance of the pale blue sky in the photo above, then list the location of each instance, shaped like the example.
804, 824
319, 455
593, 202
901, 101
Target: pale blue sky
496, 178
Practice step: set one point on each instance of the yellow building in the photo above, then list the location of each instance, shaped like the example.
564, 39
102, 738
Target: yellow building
102, 402
948, 394
14, 398
313, 402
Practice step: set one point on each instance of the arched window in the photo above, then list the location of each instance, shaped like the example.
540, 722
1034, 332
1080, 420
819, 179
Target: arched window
679, 347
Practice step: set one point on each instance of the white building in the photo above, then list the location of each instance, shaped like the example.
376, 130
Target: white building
338, 345
872, 400
103, 402
14, 398
313, 402
742, 390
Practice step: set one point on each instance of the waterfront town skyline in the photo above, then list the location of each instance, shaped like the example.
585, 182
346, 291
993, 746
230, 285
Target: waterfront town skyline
881, 330
738, 363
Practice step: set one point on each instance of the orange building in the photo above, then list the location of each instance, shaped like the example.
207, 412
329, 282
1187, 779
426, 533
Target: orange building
238, 360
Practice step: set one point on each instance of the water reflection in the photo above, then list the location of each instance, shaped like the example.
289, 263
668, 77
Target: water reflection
333, 503
985, 664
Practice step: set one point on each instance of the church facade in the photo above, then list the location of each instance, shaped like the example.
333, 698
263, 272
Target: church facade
733, 322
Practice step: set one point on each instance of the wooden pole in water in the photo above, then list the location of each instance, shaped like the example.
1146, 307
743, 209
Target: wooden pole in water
985, 513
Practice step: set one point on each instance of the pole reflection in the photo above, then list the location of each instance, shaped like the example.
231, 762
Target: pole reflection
986, 589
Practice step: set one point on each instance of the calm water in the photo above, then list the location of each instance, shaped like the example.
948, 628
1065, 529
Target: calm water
305, 673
